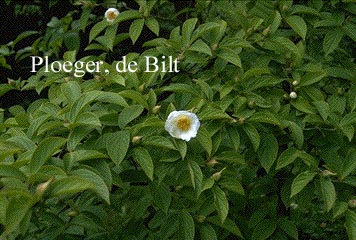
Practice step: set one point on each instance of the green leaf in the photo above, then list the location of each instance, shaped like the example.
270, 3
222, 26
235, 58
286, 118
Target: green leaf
255, 72
230, 55
301, 181
117, 145
200, 46
127, 15
23, 35
268, 151
72, 40
135, 96
96, 29
158, 141
298, 25
340, 72
288, 227
264, 229
162, 196
221, 203
181, 88
350, 30
232, 184
87, 118
186, 228
143, 158
323, 109
210, 113
110, 35
252, 133
196, 176
328, 192
76, 135
71, 90
153, 25
10, 171
136, 29
228, 224
46, 148
204, 139
182, 147
128, 114
311, 78
350, 224
70, 185
348, 119
235, 137
303, 105
16, 210
331, 40
100, 187
187, 30
4, 88
349, 164
296, 133
265, 117
84, 155
287, 44
208, 232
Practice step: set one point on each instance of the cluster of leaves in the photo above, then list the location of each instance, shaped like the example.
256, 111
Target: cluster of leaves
92, 160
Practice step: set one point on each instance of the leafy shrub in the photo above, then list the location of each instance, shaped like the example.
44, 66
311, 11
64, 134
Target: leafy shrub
272, 83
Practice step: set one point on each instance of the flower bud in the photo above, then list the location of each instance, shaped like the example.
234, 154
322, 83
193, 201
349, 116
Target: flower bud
177, 188
180, 57
141, 87
42, 187
11, 82
352, 203
216, 176
241, 120
293, 95
251, 104
136, 139
214, 46
98, 78
200, 218
293, 206
212, 162
295, 83
72, 213
322, 225
266, 31
327, 173
156, 109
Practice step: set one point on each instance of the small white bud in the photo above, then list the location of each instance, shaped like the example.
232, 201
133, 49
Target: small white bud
293, 95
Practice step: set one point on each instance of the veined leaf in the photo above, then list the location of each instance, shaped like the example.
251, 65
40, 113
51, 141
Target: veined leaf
221, 203
328, 192
143, 158
301, 181
45, 149
298, 25
117, 145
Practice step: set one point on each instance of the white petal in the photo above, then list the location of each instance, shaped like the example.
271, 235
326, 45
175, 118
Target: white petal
111, 10
172, 128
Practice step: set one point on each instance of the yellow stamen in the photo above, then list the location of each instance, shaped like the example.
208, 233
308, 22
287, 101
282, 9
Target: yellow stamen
111, 15
184, 123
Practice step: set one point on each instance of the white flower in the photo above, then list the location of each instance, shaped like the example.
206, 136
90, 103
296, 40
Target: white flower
111, 14
182, 124
293, 95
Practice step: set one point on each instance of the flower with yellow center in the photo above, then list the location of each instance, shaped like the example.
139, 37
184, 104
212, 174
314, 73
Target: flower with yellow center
182, 124
111, 14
